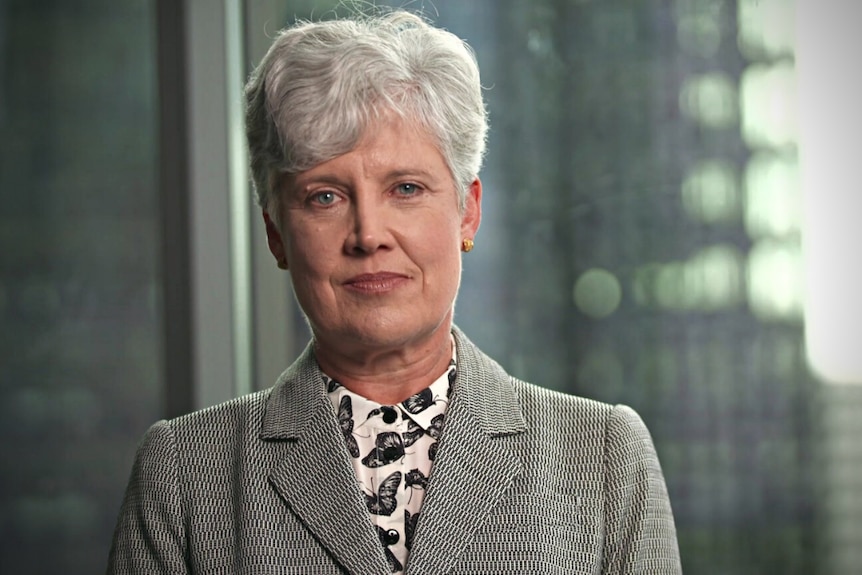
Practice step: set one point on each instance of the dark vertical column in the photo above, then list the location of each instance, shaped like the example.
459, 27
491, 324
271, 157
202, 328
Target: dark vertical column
174, 207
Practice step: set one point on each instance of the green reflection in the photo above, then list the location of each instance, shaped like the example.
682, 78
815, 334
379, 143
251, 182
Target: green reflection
698, 27
710, 99
597, 293
669, 288
712, 280
711, 193
766, 28
773, 200
775, 280
769, 107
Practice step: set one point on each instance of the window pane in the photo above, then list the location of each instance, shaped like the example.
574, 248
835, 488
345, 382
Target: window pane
79, 323
642, 243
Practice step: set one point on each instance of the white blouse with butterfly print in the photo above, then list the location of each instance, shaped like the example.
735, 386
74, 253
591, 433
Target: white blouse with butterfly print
392, 448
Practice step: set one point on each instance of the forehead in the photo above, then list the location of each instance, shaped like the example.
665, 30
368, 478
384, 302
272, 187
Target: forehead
389, 147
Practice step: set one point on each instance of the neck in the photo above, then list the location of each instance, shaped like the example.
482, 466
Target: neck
388, 376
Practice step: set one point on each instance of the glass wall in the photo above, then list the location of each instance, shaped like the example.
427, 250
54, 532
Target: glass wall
648, 213
80, 329
642, 244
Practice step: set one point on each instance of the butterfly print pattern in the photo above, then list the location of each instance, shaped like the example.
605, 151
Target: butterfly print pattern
345, 420
384, 501
432, 451
413, 433
416, 478
410, 521
388, 448
392, 448
436, 427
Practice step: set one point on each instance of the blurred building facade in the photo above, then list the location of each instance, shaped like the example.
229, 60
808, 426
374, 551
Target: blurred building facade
642, 244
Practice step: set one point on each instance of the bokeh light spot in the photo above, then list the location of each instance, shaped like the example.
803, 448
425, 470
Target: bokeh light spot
597, 293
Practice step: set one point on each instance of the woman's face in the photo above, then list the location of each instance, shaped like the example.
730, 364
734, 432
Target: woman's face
372, 241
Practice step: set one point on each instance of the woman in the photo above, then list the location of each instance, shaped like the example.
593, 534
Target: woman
392, 444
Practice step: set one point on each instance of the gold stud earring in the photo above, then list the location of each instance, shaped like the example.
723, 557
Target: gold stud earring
466, 245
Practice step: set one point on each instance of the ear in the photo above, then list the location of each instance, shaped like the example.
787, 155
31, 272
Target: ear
273, 240
472, 215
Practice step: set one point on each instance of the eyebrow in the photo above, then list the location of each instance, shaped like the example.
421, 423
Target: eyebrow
395, 174
331, 178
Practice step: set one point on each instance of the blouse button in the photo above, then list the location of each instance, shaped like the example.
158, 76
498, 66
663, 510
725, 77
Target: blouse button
389, 415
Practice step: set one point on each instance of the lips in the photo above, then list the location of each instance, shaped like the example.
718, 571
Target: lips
375, 282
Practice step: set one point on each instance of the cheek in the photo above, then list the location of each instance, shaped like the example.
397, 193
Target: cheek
307, 248
443, 258
448, 242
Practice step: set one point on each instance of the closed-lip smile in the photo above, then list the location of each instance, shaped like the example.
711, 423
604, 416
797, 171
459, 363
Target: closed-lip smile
375, 282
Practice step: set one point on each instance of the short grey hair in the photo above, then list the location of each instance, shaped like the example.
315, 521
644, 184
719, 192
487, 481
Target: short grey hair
322, 83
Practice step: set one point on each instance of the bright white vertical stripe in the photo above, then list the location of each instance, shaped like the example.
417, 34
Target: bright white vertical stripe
830, 93
276, 341
240, 198
209, 206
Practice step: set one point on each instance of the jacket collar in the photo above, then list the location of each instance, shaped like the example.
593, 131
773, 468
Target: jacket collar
298, 392
486, 389
474, 467
482, 385
472, 472
314, 476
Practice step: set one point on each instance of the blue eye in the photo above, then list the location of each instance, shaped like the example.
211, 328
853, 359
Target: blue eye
407, 189
324, 198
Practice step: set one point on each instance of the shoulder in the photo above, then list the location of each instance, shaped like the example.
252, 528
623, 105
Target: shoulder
504, 404
235, 410
615, 434
540, 405
541, 399
209, 428
614, 437
199, 455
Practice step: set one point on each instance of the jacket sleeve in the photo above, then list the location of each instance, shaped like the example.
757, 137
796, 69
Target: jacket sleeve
150, 534
640, 536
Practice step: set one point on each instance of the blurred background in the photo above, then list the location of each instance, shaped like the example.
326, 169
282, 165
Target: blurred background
672, 205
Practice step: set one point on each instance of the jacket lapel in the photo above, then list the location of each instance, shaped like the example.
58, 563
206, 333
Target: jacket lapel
316, 478
473, 469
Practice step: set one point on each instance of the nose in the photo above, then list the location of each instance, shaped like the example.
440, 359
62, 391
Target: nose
369, 231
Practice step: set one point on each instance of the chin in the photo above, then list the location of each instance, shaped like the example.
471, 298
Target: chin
384, 333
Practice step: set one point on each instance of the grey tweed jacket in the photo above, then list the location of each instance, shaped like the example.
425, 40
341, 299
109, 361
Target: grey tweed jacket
525, 481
